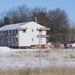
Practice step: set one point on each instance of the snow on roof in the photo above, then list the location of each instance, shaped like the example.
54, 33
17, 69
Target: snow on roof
15, 26
12, 26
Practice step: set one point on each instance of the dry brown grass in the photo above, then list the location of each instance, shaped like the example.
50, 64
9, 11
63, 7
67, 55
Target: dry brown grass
45, 71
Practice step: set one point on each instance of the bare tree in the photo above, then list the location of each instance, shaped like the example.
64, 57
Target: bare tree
40, 14
1, 23
6, 20
59, 24
56, 20
19, 14
71, 32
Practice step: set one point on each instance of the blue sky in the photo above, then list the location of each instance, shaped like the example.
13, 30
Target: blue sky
67, 5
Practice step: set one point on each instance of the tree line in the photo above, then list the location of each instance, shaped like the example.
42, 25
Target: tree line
57, 20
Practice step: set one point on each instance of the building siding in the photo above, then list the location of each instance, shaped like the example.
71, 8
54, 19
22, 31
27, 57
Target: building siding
26, 36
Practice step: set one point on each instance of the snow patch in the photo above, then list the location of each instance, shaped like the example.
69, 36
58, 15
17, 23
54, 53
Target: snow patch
4, 49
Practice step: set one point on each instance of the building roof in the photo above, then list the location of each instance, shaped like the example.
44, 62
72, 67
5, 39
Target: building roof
16, 26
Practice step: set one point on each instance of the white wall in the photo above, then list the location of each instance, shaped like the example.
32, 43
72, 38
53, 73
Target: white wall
25, 39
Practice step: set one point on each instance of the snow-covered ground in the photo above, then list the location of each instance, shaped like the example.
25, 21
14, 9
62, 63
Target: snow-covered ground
19, 58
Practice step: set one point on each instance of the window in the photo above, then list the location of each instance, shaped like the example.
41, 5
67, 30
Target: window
39, 30
16, 31
10, 39
24, 31
10, 31
7, 32
13, 39
13, 31
32, 39
32, 30
16, 39
4, 32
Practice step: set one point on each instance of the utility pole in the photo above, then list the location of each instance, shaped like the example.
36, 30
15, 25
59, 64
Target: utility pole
40, 70
41, 36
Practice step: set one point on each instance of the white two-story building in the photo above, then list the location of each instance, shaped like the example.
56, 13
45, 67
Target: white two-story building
21, 35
